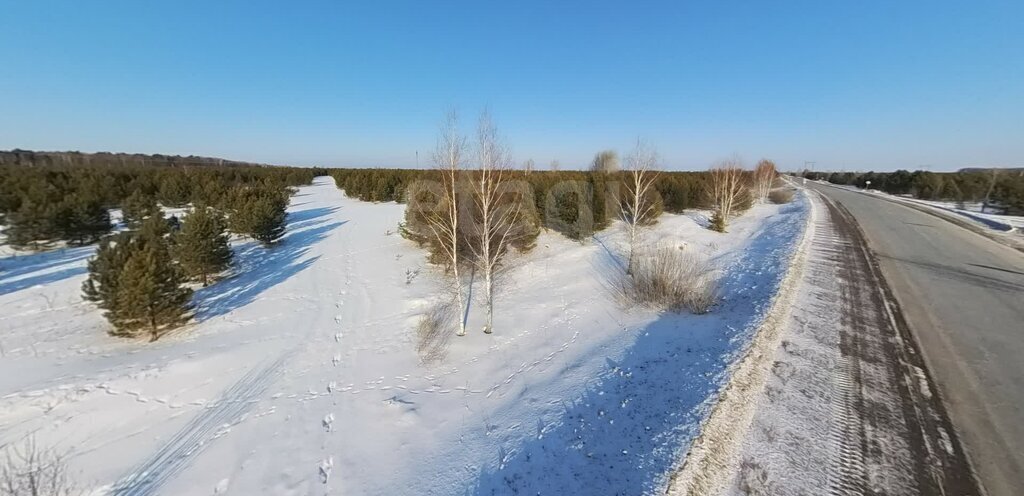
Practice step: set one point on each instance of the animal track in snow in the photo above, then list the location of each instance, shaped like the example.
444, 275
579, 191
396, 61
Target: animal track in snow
336, 360
222, 486
326, 466
328, 422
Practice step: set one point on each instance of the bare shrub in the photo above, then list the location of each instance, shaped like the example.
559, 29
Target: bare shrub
671, 279
26, 469
703, 292
781, 196
432, 332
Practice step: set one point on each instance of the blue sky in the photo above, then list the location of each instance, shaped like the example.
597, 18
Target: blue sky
849, 85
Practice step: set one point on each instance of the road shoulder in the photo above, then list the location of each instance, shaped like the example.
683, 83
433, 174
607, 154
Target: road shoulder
848, 404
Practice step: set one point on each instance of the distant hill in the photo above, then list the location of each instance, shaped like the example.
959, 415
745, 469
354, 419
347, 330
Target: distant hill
31, 158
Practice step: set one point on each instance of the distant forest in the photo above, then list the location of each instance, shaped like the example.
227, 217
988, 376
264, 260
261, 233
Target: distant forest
71, 158
1002, 189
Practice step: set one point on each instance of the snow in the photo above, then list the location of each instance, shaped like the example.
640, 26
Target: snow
971, 210
787, 447
300, 374
709, 464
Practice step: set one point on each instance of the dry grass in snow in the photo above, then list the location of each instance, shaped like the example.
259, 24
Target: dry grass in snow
671, 278
434, 331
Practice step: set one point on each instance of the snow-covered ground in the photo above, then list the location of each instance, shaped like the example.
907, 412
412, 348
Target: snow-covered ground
300, 374
973, 211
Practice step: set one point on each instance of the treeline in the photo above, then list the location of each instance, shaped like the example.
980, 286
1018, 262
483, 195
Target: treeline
29, 158
558, 196
1003, 189
44, 205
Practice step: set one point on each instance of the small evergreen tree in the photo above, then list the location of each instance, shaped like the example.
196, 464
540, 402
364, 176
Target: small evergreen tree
155, 230
32, 225
133, 278
717, 222
201, 246
83, 220
105, 268
149, 296
40, 221
174, 189
259, 213
137, 208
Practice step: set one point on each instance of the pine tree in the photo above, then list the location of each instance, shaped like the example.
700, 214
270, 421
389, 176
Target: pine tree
717, 222
138, 207
259, 213
83, 219
155, 229
135, 280
105, 268
42, 219
268, 215
149, 296
201, 246
174, 189
32, 225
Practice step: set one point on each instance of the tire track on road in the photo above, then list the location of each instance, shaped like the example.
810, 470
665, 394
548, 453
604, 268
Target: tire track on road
891, 435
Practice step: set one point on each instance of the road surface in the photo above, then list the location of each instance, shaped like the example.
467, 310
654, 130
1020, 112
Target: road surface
963, 298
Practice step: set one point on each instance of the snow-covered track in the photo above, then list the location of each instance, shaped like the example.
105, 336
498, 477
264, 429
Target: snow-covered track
210, 423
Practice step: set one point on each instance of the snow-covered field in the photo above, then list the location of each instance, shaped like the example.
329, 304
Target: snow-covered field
300, 375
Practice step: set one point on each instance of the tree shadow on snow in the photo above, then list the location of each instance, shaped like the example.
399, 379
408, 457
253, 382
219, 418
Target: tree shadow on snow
297, 219
628, 429
259, 268
14, 269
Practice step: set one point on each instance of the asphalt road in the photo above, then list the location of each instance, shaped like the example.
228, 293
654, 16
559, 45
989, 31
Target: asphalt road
963, 297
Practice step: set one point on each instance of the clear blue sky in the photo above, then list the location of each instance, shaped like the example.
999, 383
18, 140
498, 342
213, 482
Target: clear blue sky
848, 84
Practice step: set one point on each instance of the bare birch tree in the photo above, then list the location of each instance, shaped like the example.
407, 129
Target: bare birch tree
497, 214
727, 190
764, 176
638, 202
443, 221
555, 165
528, 166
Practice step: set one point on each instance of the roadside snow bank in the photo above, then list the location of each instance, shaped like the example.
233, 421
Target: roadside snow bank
707, 467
